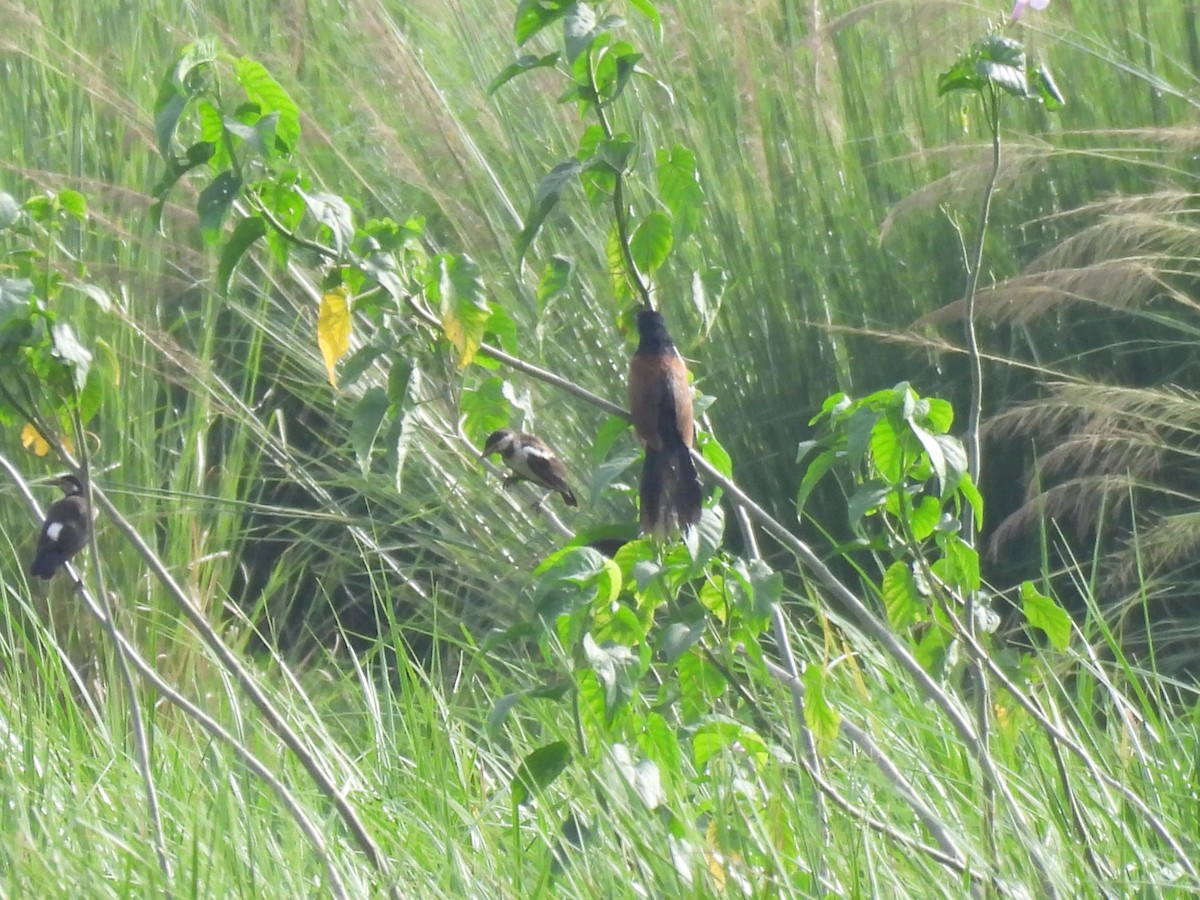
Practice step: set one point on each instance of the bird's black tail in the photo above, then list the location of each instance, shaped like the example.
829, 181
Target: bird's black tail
670, 491
45, 565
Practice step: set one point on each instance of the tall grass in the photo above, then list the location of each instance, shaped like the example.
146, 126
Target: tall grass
838, 186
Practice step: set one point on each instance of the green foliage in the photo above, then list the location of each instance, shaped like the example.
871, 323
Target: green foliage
598, 68
46, 371
681, 777
1000, 62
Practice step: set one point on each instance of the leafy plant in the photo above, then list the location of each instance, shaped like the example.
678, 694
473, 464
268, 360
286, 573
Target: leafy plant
47, 376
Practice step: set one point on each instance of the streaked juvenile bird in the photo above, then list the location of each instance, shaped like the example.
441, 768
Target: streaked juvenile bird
660, 402
530, 459
67, 528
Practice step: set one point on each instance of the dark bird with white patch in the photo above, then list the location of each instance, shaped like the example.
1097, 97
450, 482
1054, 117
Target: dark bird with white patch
660, 404
530, 459
66, 531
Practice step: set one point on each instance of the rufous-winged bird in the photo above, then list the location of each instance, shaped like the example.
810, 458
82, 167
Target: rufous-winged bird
660, 402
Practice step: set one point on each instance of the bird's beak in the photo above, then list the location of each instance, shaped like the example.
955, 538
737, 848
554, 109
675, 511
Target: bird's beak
487, 451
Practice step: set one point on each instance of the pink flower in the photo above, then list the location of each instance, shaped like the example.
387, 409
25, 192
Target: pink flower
1020, 6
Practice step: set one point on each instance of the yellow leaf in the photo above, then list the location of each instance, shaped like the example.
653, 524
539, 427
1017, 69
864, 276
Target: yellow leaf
31, 437
333, 329
455, 329
716, 864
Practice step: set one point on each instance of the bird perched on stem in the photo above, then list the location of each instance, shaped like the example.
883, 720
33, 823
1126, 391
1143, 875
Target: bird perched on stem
660, 402
67, 528
530, 459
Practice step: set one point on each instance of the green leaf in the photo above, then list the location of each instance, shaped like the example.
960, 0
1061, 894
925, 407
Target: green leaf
456, 288
700, 685
524, 64
954, 460
972, 495
934, 649
925, 517
215, 202
705, 539
660, 740
860, 428
1042, 612
1042, 86
939, 415
334, 213
649, 10
679, 187
822, 719
73, 203
678, 637
869, 497
245, 233
579, 29
888, 450
933, 450
959, 565
400, 377
167, 111
611, 663
719, 734
365, 425
615, 65
91, 398
812, 476
71, 352
539, 769
614, 254
651, 242
716, 455
14, 300
483, 408
535, 15
1002, 61
548, 194
399, 439
901, 599
996, 60
264, 90
617, 624
767, 586
556, 276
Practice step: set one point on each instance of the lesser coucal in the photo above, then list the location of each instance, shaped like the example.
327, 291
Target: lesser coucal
530, 459
67, 528
660, 401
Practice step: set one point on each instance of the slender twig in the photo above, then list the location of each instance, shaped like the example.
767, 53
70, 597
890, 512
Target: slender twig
975, 267
983, 703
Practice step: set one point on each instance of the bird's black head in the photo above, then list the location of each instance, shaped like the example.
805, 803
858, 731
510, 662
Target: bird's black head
497, 442
653, 332
71, 486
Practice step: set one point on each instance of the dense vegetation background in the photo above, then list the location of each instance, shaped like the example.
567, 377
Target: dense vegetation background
841, 192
